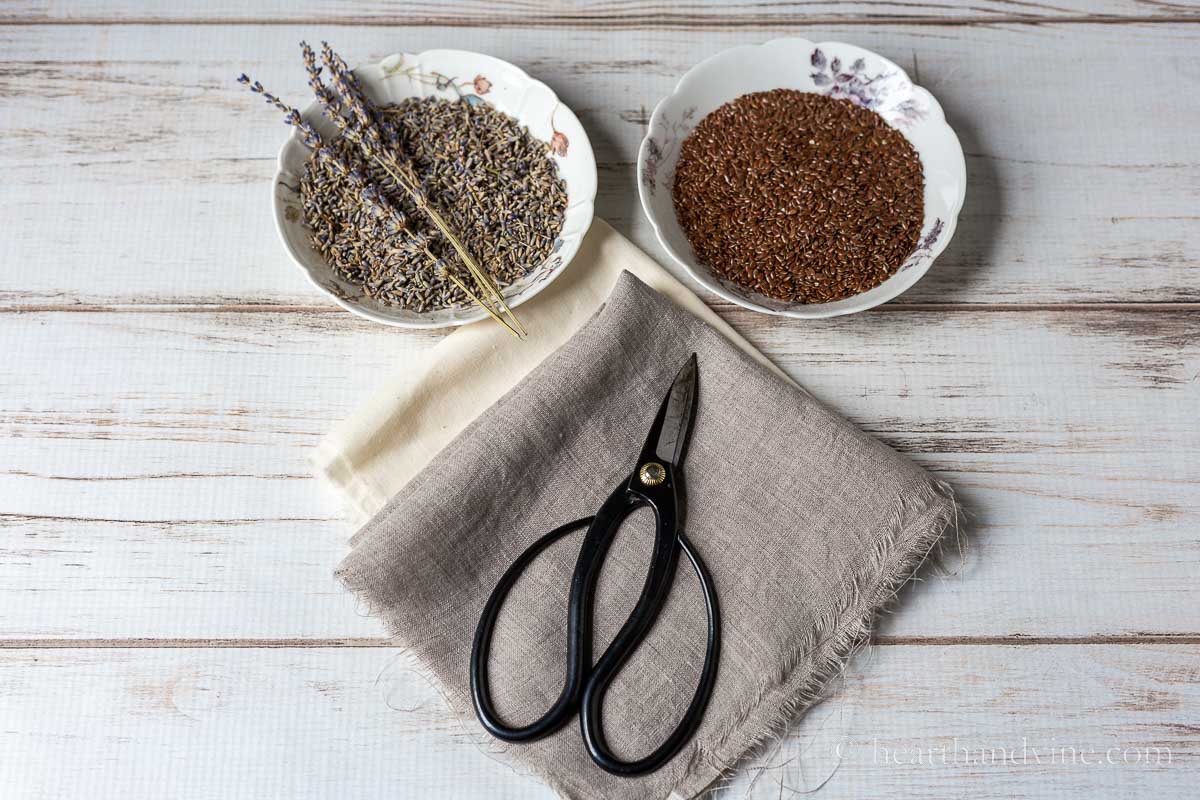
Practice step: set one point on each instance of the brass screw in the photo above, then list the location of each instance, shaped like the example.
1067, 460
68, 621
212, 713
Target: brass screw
652, 473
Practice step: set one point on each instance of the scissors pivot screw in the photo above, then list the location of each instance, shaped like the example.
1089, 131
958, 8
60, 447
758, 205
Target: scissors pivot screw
652, 473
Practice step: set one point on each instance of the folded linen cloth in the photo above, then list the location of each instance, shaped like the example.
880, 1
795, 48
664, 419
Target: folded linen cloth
807, 524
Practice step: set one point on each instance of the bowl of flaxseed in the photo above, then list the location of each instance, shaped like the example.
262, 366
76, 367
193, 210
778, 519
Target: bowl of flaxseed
801, 179
504, 163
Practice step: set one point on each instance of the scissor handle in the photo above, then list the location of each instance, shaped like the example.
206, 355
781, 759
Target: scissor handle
601, 529
584, 688
481, 694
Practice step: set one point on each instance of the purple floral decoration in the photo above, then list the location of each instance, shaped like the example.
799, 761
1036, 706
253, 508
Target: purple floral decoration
851, 82
659, 151
925, 246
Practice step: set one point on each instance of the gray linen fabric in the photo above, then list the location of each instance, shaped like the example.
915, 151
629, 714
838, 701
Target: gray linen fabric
808, 526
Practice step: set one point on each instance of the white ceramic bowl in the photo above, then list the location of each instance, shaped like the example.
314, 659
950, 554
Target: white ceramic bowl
829, 68
452, 74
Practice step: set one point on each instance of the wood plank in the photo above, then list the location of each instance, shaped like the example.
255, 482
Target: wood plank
137, 172
153, 479
589, 13
1092, 721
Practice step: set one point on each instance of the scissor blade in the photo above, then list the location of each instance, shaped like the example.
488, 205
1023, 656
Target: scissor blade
681, 402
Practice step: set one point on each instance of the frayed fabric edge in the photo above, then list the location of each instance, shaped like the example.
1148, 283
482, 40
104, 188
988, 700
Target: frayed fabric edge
813, 665
917, 533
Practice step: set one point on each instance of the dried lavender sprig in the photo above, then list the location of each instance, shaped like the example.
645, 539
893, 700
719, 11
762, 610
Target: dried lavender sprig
330, 102
359, 125
347, 85
370, 194
457, 281
367, 122
405, 178
381, 205
326, 98
378, 201
420, 243
366, 136
290, 115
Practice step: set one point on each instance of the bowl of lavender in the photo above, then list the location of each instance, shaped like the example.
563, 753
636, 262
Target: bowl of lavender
431, 190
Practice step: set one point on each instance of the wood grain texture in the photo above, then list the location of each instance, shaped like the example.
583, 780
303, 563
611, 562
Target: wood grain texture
137, 171
589, 13
169, 623
1034, 722
155, 483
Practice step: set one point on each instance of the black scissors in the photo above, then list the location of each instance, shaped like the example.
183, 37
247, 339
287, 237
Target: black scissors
653, 483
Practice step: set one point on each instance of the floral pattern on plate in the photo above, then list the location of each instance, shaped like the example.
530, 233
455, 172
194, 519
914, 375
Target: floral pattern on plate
833, 69
924, 247
877, 92
659, 149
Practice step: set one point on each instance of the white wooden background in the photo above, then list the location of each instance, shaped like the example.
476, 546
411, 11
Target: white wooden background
169, 625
